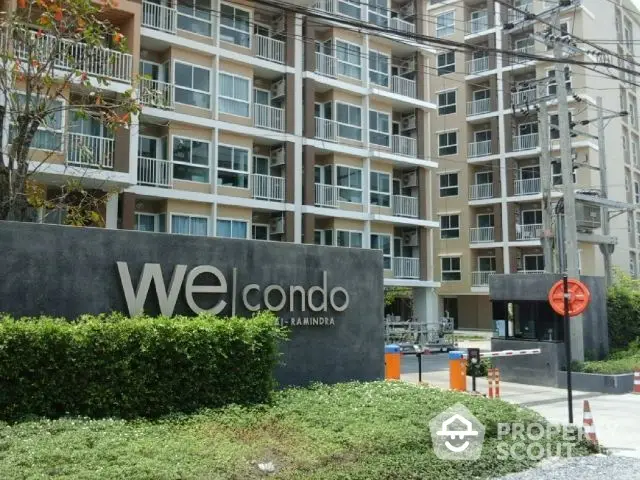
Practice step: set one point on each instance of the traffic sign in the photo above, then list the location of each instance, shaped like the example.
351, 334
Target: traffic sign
579, 297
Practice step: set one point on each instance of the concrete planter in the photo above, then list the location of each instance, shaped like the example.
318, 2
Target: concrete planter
598, 382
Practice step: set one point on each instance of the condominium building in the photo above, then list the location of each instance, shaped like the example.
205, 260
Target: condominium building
485, 138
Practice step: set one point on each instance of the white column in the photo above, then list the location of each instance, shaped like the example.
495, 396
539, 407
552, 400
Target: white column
134, 132
215, 66
111, 220
425, 306
213, 155
298, 120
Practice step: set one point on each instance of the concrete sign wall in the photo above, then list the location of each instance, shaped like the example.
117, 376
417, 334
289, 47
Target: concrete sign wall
330, 298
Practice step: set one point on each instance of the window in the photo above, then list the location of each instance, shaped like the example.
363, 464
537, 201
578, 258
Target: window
448, 184
446, 63
382, 242
235, 25
450, 269
380, 189
50, 131
554, 121
195, 16
350, 8
447, 102
189, 225
150, 222
623, 99
636, 192
632, 264
349, 239
323, 237
259, 232
632, 112
445, 24
487, 264
552, 87
349, 121
379, 12
531, 217
533, 263
379, 128
234, 95
190, 160
485, 220
233, 166
378, 68
349, 58
484, 178
634, 152
564, 31
350, 184
448, 143
192, 85
231, 228
450, 226
556, 172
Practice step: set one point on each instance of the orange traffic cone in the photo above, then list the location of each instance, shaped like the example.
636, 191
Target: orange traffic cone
636, 381
587, 423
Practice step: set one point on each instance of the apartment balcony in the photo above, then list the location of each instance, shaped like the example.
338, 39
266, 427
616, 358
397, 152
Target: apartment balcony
527, 186
403, 86
326, 129
326, 195
403, 26
516, 16
406, 267
266, 116
406, 146
478, 24
479, 149
530, 231
528, 49
154, 172
481, 278
159, 17
267, 187
90, 150
338, 7
480, 191
405, 206
156, 93
326, 65
532, 272
269, 48
525, 142
482, 234
479, 107
522, 97
477, 65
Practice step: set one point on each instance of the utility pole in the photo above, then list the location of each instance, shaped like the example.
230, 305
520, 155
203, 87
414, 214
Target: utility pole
605, 248
545, 178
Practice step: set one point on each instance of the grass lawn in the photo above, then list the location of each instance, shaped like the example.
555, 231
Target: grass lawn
362, 431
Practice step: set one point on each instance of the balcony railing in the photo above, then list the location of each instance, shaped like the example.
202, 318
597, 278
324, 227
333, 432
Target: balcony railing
478, 107
481, 278
529, 49
269, 48
338, 7
527, 186
482, 234
480, 149
517, 16
326, 195
478, 24
154, 172
159, 17
480, 191
156, 93
267, 187
405, 206
529, 231
532, 272
266, 116
326, 129
403, 86
477, 65
402, 25
326, 64
406, 267
525, 142
89, 150
406, 146
523, 96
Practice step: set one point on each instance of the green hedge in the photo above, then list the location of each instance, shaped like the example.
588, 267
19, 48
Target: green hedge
112, 365
623, 312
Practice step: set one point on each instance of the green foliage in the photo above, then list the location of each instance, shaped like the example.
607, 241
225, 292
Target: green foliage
623, 311
393, 293
621, 361
483, 366
112, 365
377, 430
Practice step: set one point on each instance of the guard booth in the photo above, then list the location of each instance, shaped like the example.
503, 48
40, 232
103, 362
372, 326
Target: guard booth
523, 319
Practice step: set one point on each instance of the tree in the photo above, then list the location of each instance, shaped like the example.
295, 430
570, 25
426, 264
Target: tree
55, 74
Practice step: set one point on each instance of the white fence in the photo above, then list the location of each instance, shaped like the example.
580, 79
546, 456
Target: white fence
159, 17
482, 234
480, 191
269, 48
154, 171
405, 206
326, 195
406, 267
267, 187
89, 150
266, 116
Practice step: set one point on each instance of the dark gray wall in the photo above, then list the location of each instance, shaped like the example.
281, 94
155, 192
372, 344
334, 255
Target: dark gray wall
68, 271
538, 369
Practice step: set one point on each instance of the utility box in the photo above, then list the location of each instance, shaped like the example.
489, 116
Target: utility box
588, 216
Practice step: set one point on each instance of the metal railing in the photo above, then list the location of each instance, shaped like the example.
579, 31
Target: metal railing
523, 96
155, 172
406, 267
266, 116
532, 272
156, 93
405, 206
402, 25
159, 17
482, 234
406, 146
480, 191
267, 187
403, 86
529, 231
477, 65
525, 142
326, 64
480, 149
89, 150
481, 278
478, 107
478, 24
527, 186
529, 48
326, 195
326, 129
269, 48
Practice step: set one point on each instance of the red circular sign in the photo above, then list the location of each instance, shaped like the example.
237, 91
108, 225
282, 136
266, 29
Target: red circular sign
579, 297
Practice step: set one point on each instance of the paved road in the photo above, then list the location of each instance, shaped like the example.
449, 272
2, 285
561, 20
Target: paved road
584, 468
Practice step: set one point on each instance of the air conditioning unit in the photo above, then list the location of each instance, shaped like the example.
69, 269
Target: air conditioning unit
410, 239
280, 25
408, 10
408, 122
278, 89
410, 180
588, 216
276, 226
408, 65
277, 157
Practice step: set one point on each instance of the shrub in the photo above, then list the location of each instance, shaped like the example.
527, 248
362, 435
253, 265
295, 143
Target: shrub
481, 368
623, 312
111, 365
